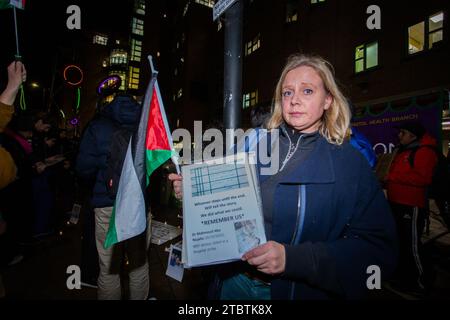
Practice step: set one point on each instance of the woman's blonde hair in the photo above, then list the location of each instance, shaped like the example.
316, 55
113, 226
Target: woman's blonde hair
336, 120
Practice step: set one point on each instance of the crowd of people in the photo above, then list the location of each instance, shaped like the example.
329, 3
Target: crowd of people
327, 219
36, 161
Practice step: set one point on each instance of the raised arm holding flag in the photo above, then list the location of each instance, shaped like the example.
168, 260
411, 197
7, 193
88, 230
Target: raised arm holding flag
19, 4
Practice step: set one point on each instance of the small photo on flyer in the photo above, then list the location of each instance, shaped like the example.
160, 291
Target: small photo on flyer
175, 268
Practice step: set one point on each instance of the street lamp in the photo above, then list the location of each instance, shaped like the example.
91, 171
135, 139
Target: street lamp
34, 85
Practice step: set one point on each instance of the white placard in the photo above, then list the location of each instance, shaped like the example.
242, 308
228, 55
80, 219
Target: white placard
222, 211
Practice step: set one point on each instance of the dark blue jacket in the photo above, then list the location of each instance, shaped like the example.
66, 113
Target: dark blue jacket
96, 141
334, 221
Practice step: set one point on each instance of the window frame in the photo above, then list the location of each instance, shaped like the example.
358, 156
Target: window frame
291, 6
137, 26
100, 39
136, 50
364, 58
427, 33
133, 77
206, 3
253, 45
250, 99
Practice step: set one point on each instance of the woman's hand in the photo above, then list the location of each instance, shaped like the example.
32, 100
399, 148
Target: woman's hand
17, 74
269, 258
177, 184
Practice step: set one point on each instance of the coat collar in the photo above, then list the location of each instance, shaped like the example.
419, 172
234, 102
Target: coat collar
317, 168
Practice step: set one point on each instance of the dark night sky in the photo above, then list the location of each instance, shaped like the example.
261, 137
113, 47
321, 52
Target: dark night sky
42, 30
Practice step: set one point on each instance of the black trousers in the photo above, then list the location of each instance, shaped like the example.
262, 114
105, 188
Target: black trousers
414, 266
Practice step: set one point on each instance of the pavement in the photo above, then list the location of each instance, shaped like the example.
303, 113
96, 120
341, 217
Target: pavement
42, 275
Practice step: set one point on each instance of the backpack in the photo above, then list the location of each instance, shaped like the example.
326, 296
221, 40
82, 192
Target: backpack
440, 183
439, 190
116, 157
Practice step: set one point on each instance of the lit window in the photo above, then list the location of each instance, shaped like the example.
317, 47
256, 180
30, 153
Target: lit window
118, 42
133, 78
366, 56
317, 1
253, 45
138, 26
109, 98
136, 50
118, 56
416, 38
122, 75
180, 93
425, 34
292, 11
208, 3
435, 29
139, 7
102, 40
250, 99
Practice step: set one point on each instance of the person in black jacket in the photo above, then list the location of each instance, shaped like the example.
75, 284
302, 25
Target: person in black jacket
91, 162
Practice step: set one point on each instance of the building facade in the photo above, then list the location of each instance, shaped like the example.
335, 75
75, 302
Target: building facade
382, 52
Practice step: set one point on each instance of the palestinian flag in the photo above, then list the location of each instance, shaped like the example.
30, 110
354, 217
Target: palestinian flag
6, 4
148, 149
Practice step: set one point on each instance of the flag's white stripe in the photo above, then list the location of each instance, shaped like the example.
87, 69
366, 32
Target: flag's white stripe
130, 219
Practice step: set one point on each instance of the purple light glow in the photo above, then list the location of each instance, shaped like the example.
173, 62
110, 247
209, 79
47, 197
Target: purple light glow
109, 82
74, 121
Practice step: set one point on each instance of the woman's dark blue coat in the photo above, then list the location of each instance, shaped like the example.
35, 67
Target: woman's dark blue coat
335, 223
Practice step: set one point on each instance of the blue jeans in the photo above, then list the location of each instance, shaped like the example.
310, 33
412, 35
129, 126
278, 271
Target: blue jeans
241, 287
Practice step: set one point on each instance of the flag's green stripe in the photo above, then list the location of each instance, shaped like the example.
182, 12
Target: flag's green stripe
111, 236
155, 158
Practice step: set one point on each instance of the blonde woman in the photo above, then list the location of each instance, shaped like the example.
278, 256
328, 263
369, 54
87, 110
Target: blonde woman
326, 218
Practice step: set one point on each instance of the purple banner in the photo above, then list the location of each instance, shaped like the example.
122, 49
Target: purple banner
381, 129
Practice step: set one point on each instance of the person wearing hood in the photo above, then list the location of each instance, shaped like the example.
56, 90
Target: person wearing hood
406, 186
122, 112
